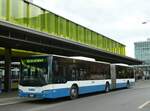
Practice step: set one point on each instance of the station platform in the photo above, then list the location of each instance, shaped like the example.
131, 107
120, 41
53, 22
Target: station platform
9, 94
9, 98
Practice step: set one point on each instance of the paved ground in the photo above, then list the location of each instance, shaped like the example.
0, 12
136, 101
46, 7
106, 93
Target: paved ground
8, 94
134, 99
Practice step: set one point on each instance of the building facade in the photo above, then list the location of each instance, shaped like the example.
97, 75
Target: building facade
142, 52
26, 27
28, 15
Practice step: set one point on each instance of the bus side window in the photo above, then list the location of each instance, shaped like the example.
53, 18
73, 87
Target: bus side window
59, 71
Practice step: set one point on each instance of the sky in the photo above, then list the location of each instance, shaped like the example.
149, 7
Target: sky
120, 20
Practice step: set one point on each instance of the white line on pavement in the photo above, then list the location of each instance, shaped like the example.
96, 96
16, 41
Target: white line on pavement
13, 100
10, 103
143, 105
5, 99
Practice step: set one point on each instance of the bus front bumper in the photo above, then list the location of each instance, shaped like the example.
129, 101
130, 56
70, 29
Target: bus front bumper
43, 94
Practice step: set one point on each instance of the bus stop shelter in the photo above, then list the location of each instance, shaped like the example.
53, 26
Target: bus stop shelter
17, 37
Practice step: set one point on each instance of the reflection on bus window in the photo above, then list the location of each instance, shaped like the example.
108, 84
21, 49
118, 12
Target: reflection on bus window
71, 70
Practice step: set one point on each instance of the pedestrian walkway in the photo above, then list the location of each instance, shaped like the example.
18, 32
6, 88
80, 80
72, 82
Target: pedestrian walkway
9, 94
142, 84
7, 98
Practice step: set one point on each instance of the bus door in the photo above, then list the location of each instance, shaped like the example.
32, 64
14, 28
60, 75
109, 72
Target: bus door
113, 76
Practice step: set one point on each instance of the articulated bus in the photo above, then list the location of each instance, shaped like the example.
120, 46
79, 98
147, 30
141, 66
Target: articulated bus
53, 76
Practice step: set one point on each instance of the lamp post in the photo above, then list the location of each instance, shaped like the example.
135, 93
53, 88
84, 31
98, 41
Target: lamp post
144, 22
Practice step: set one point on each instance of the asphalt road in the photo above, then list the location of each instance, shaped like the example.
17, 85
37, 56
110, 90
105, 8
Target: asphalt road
134, 99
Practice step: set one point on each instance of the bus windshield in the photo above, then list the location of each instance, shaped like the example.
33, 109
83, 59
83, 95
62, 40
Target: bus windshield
34, 72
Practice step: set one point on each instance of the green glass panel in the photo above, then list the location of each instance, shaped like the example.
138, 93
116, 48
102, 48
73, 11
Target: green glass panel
75, 31
43, 20
64, 27
50, 23
113, 47
67, 28
71, 34
56, 24
72, 31
124, 51
89, 37
82, 35
34, 17
3, 9
79, 34
47, 22
18, 12
101, 41
94, 39
85, 36
61, 27
117, 48
25, 14
108, 44
104, 44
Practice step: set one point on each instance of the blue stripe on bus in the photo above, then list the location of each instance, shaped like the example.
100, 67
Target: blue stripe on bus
55, 93
89, 89
121, 85
63, 92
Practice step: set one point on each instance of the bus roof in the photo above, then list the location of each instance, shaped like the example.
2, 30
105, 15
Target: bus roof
120, 64
67, 57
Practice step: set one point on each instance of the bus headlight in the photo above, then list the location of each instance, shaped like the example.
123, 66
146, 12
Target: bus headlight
20, 91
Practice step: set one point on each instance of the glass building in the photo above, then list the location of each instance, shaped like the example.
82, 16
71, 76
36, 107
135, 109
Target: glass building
28, 15
142, 52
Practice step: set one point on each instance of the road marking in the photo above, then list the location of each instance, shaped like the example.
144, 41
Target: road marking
143, 105
6, 99
13, 100
4, 104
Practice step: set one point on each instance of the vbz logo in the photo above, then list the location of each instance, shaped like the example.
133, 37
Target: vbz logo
31, 89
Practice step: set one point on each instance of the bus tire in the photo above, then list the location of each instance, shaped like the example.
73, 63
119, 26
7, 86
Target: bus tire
107, 87
128, 84
74, 92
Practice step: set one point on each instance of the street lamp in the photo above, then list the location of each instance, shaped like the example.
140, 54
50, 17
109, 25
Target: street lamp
144, 22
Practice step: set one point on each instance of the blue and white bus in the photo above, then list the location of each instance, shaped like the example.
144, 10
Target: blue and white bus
53, 76
122, 76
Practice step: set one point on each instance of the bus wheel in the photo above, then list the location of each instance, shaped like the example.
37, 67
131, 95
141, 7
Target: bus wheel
107, 87
73, 92
128, 84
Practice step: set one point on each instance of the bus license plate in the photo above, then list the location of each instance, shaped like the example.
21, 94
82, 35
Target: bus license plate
31, 95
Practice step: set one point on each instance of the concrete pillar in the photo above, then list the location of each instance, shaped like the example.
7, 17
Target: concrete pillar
7, 77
